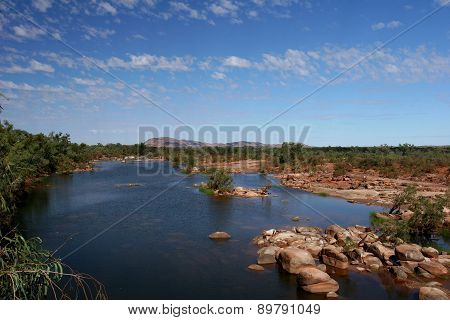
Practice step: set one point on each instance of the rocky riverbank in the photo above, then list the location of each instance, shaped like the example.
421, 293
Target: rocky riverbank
367, 187
312, 254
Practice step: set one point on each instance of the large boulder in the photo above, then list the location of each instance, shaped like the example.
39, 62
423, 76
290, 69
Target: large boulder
333, 257
219, 235
428, 293
267, 255
407, 252
311, 275
292, 259
433, 267
380, 251
322, 287
430, 252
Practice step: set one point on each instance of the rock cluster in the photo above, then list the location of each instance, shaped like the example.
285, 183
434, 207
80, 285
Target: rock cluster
308, 251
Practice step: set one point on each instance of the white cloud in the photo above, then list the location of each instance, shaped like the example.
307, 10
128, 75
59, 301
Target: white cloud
294, 61
92, 32
88, 82
390, 25
34, 66
183, 7
150, 62
237, 62
218, 75
42, 5
28, 32
106, 7
27, 87
443, 2
224, 8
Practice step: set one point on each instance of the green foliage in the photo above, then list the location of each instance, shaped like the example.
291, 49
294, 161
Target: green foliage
206, 190
220, 180
341, 168
403, 199
349, 245
323, 194
426, 221
29, 272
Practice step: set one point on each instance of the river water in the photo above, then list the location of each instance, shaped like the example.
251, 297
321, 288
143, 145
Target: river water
162, 251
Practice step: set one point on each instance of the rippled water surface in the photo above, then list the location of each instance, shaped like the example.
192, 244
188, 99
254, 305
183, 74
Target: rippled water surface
163, 251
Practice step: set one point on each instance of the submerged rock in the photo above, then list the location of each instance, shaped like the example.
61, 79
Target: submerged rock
255, 267
322, 287
219, 235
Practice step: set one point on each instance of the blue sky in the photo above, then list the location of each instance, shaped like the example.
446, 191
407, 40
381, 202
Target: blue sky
227, 62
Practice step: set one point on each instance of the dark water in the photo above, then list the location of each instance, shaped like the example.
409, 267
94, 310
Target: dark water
163, 250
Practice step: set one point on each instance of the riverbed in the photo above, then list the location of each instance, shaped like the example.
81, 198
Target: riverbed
144, 234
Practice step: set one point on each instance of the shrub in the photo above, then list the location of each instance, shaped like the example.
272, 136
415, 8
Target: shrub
29, 272
220, 180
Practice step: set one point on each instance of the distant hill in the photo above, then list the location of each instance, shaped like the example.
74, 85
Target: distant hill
176, 143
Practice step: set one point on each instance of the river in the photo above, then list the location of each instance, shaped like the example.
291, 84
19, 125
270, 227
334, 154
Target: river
162, 251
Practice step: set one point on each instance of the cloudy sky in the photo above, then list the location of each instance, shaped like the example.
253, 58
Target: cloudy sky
97, 69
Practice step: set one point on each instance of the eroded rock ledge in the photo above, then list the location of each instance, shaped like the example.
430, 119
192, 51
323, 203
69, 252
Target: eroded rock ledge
310, 252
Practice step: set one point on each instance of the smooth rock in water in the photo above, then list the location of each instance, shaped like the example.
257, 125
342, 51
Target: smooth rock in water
293, 259
332, 295
433, 267
267, 255
322, 287
255, 267
429, 293
332, 257
296, 218
219, 235
311, 275
406, 252
398, 272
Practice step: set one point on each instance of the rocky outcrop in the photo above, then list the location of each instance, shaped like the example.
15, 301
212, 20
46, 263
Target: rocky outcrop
293, 259
356, 247
429, 293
